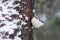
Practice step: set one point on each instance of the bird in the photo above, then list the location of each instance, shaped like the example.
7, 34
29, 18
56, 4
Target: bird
49, 30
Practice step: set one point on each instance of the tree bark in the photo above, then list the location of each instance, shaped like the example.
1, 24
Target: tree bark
27, 32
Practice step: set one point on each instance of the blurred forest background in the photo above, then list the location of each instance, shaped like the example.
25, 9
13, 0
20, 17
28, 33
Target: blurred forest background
45, 11
46, 8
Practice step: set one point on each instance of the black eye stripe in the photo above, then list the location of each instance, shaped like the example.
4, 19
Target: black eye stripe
41, 21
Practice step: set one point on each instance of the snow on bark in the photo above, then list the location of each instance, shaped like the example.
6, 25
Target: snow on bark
11, 19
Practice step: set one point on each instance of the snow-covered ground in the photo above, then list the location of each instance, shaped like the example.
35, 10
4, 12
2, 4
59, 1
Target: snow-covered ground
9, 19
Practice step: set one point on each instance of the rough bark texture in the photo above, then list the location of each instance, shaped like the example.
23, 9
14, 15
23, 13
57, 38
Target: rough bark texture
15, 16
27, 32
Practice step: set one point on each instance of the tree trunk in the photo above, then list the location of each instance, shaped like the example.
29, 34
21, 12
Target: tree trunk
27, 32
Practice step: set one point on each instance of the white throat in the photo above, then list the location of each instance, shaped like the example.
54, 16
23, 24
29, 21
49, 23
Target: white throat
36, 23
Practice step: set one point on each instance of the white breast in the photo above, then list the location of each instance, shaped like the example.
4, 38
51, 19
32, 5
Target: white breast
36, 23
